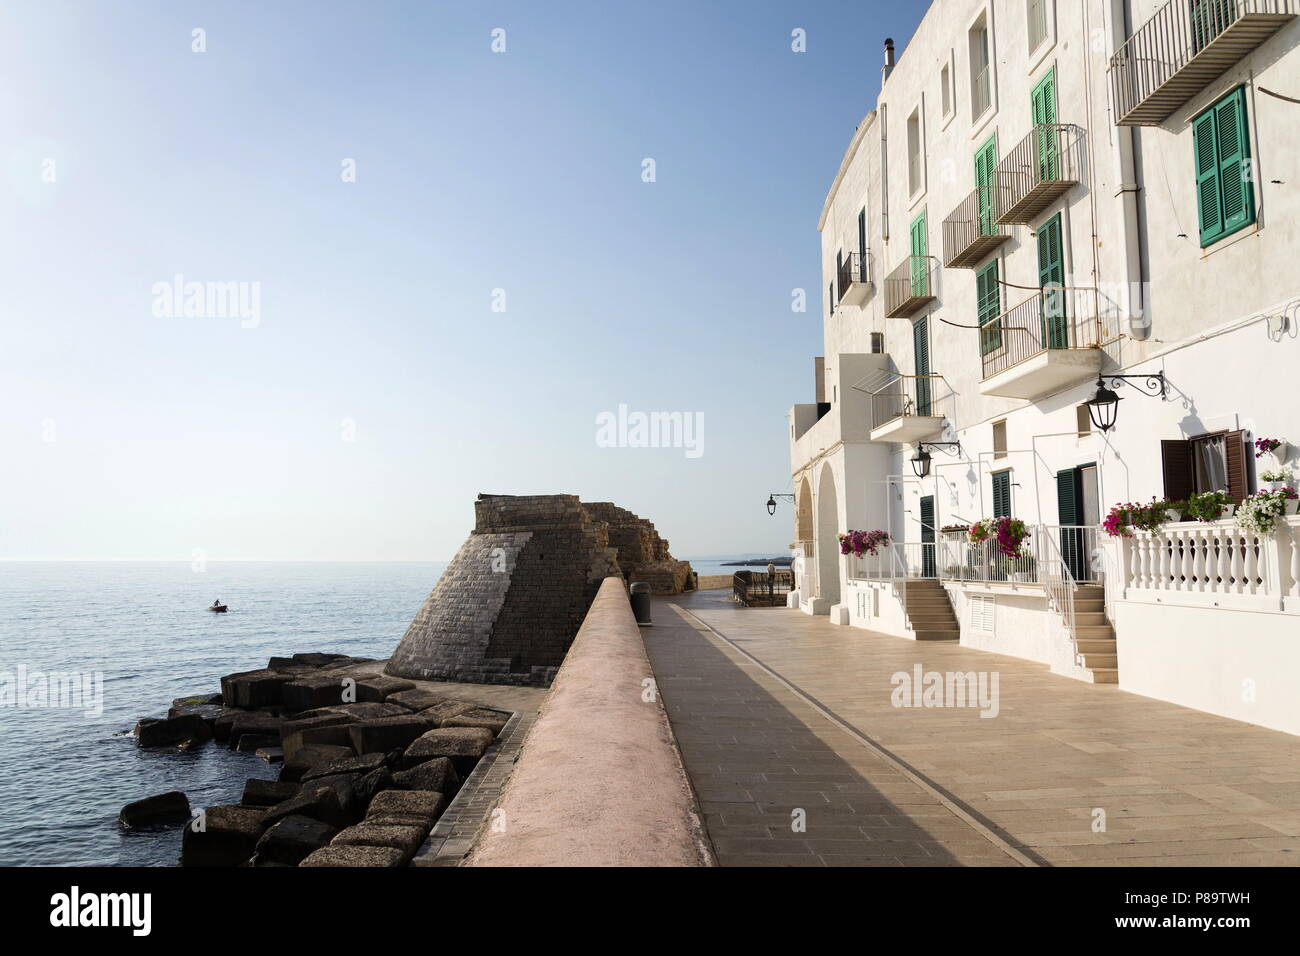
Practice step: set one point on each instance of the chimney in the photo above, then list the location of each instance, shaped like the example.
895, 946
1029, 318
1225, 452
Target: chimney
889, 61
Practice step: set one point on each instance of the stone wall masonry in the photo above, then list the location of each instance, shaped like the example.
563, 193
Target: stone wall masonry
508, 605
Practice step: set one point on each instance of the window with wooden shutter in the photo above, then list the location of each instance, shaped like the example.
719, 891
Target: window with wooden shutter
1051, 277
1002, 494
1234, 450
1000, 439
1176, 464
921, 347
988, 301
1225, 195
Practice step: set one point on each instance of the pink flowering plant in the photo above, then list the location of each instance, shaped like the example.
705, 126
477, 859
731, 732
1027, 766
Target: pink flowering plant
1009, 533
1264, 446
1124, 518
864, 542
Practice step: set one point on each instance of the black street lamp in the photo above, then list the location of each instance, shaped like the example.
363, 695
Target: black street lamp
921, 460
771, 502
1103, 407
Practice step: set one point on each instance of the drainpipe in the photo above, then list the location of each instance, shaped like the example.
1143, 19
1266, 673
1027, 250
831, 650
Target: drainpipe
1123, 139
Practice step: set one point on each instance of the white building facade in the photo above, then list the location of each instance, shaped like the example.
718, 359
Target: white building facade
1045, 194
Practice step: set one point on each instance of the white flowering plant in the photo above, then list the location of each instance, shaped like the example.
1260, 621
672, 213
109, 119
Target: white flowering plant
1259, 513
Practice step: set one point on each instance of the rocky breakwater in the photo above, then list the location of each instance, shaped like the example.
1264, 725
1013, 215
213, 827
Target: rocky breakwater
368, 763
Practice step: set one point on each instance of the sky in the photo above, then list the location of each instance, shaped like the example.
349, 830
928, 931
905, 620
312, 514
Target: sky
412, 267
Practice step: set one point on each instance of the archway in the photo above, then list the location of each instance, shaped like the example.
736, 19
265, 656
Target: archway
804, 533
828, 544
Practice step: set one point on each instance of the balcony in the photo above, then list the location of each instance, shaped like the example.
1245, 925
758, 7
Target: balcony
972, 231
1046, 343
1183, 48
910, 287
1045, 165
905, 409
854, 279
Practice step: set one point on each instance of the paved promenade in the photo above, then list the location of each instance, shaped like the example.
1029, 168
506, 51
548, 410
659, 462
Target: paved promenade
784, 719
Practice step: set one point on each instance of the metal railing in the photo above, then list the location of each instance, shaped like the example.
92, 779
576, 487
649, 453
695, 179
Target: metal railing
760, 589
909, 287
1060, 582
1042, 166
1056, 318
856, 267
1079, 546
981, 92
960, 559
972, 229
906, 395
1037, 23
1175, 36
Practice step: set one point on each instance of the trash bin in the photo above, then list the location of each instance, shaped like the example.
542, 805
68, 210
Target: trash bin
641, 603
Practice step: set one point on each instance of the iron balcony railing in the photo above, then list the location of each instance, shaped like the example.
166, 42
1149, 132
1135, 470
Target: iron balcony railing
1182, 48
856, 268
1043, 166
981, 93
760, 589
908, 395
1055, 318
910, 287
972, 230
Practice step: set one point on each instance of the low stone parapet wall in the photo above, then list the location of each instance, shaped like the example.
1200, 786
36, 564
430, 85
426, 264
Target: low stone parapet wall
599, 781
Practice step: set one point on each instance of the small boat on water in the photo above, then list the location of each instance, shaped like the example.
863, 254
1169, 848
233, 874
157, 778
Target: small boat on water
218, 608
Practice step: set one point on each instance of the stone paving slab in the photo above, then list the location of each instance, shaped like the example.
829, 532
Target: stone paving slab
794, 727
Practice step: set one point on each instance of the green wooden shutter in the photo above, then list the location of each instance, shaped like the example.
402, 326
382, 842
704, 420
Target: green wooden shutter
1067, 497
988, 298
1207, 178
920, 249
1043, 100
1233, 140
862, 246
1225, 196
921, 348
1002, 494
986, 161
928, 563
1051, 277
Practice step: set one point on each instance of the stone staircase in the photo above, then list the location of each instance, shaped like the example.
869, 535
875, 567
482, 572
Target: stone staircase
1095, 638
929, 611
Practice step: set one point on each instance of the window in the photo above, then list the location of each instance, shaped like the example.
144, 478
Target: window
981, 72
1002, 494
1051, 278
921, 351
830, 297
1000, 439
945, 89
988, 301
986, 162
877, 343
1213, 462
862, 245
1083, 420
1037, 12
915, 154
1225, 195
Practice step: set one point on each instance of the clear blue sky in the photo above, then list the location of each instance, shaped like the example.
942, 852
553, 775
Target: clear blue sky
129, 435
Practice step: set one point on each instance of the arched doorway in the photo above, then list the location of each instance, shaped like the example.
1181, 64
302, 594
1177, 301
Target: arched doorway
828, 544
804, 534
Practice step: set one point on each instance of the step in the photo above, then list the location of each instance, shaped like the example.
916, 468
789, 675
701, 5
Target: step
1090, 617
1089, 605
936, 599
1102, 632
932, 613
1095, 647
1102, 675
933, 634
1100, 661
1090, 591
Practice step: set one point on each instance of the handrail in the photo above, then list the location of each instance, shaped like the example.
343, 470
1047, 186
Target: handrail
972, 228
909, 286
1173, 38
1059, 585
1055, 318
1045, 163
855, 268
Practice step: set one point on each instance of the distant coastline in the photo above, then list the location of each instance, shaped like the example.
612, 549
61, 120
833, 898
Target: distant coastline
783, 562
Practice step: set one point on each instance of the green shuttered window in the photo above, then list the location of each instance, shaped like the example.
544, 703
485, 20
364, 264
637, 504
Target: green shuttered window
1225, 194
988, 299
1002, 494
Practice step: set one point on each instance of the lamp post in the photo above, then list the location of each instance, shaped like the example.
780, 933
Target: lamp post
1103, 407
771, 502
921, 461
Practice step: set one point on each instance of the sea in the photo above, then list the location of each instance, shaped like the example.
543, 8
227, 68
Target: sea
141, 632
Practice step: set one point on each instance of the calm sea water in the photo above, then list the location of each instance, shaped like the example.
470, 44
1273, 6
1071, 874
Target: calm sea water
65, 775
